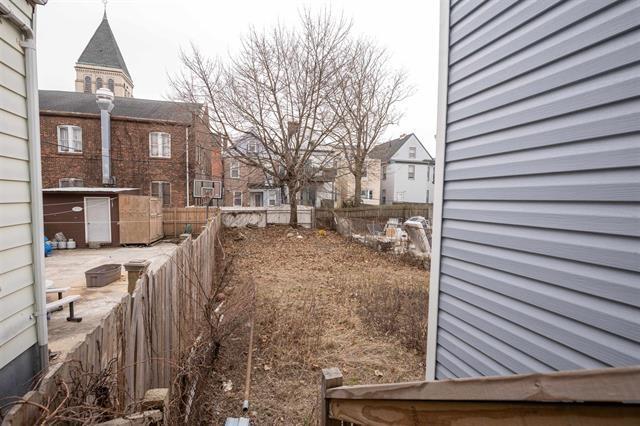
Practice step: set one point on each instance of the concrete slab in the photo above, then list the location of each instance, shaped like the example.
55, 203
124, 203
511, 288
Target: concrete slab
66, 268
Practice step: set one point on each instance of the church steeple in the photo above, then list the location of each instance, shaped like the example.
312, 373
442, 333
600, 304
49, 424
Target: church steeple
101, 63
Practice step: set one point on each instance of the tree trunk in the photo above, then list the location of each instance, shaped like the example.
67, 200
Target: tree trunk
357, 199
293, 202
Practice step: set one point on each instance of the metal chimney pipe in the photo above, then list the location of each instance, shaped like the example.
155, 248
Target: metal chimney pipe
105, 103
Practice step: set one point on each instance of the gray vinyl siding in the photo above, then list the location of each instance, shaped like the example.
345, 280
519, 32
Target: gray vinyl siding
540, 232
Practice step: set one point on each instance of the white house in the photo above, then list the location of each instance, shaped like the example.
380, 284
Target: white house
407, 171
23, 321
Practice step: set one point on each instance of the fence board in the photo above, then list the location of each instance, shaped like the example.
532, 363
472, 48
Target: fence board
148, 330
174, 219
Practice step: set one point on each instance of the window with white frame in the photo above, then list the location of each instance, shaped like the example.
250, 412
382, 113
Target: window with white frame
235, 170
400, 196
366, 194
162, 190
273, 198
69, 139
237, 199
252, 146
412, 172
412, 152
159, 145
70, 183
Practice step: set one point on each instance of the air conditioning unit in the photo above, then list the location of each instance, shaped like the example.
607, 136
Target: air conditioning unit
70, 183
207, 188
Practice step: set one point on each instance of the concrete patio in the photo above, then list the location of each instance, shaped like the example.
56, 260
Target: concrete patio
66, 268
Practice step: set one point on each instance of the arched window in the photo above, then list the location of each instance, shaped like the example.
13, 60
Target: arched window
87, 84
98, 83
111, 85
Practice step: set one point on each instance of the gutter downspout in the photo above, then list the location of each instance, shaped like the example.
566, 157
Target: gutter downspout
35, 178
186, 138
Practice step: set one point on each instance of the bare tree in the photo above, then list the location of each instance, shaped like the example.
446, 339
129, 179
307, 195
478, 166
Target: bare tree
366, 104
277, 90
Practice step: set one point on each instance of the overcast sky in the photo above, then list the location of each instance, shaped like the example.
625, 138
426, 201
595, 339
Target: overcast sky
151, 32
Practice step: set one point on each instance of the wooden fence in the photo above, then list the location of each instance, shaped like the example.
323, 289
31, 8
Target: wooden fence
324, 217
588, 398
147, 330
175, 219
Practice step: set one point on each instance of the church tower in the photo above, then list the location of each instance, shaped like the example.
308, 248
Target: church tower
101, 64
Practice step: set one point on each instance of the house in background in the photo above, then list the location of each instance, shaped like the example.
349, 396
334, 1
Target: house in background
407, 171
370, 183
162, 148
247, 185
23, 319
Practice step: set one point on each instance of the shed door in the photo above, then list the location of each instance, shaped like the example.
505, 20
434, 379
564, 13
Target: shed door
97, 217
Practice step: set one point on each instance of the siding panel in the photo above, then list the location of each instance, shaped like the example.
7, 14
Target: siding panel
17, 322
540, 244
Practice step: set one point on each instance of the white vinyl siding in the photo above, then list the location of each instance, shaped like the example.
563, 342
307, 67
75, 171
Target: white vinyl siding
159, 145
17, 326
539, 263
69, 139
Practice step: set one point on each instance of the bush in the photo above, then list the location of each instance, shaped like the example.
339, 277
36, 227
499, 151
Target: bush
396, 311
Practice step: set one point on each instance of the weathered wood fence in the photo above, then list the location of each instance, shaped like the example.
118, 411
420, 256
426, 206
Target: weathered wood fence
175, 219
324, 217
147, 330
588, 398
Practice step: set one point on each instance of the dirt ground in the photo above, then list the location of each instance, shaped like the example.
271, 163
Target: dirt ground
321, 301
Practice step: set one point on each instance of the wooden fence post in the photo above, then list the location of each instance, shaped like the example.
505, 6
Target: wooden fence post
331, 378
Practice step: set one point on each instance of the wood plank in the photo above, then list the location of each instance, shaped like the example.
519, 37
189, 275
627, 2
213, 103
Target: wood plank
613, 385
385, 412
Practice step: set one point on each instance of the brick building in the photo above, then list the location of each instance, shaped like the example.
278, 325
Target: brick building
163, 148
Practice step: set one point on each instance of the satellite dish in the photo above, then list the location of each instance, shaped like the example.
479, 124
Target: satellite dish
76, 209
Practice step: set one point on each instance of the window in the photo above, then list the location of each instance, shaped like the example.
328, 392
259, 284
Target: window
237, 199
98, 83
111, 85
412, 172
253, 146
427, 195
366, 194
235, 170
412, 152
384, 172
400, 196
383, 196
162, 190
70, 183
87, 84
364, 171
273, 198
69, 139
428, 173
160, 145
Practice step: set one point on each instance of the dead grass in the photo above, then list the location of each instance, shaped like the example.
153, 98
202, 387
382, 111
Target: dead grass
321, 302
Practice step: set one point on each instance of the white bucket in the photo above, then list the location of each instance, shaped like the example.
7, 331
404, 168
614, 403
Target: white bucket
71, 244
62, 245
54, 244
